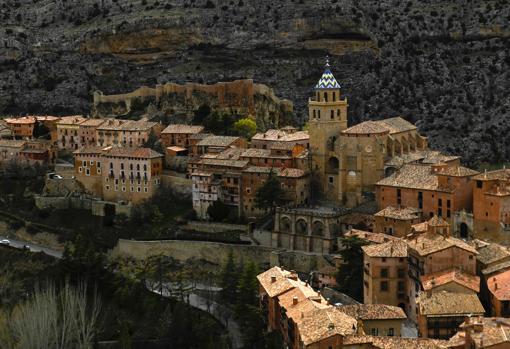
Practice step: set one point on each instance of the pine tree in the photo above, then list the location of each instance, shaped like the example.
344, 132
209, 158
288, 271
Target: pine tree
229, 279
350, 274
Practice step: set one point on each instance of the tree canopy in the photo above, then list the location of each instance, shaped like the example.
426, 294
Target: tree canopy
350, 274
270, 194
245, 127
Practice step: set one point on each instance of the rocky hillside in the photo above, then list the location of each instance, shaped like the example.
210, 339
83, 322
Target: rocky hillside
442, 64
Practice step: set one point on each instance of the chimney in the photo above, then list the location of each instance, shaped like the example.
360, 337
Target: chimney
294, 300
273, 279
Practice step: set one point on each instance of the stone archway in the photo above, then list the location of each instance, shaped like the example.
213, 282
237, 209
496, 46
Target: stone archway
333, 164
318, 228
301, 227
463, 230
285, 225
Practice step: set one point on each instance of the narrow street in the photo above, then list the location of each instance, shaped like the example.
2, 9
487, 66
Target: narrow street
200, 301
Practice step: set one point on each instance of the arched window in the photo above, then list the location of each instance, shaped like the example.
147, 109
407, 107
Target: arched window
333, 164
325, 96
338, 112
334, 96
314, 114
319, 114
332, 114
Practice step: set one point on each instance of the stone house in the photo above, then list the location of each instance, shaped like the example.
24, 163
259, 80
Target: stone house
377, 319
396, 221
119, 174
385, 273
179, 135
433, 189
67, 132
439, 314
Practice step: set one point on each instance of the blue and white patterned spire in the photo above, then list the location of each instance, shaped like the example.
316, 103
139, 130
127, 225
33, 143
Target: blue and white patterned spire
327, 80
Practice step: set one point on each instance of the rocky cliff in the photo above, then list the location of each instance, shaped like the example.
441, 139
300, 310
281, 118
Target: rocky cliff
442, 64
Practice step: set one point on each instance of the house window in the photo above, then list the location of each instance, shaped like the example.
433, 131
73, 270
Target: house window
439, 202
374, 331
107, 187
98, 171
331, 180
79, 169
401, 273
84, 163
391, 332
87, 172
384, 286
448, 203
332, 114
145, 189
401, 286
479, 184
123, 188
384, 272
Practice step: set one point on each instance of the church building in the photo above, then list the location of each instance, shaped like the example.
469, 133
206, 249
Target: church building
348, 161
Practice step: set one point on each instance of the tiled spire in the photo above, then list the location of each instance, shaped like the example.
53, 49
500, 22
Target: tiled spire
327, 81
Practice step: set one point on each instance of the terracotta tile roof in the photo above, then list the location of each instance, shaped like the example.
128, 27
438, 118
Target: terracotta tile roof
21, 120
256, 153
457, 171
181, 128
218, 141
198, 136
282, 146
496, 267
420, 227
367, 127
502, 174
71, 120
140, 153
224, 163
92, 122
261, 169
406, 213
112, 125
490, 252
89, 150
437, 221
138, 125
291, 173
230, 153
283, 281
382, 342
412, 176
324, 323
428, 243
297, 312
443, 303
12, 143
431, 281
397, 125
176, 148
426, 157
376, 238
282, 136
388, 249
373, 311
493, 332
499, 285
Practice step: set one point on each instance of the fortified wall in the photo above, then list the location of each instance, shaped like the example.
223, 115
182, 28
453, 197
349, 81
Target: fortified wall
240, 96
217, 253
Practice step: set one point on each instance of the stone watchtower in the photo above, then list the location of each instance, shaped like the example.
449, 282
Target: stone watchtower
327, 115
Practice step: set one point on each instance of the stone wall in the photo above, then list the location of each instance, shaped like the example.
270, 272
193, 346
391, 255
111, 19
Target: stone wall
181, 185
96, 207
218, 252
213, 227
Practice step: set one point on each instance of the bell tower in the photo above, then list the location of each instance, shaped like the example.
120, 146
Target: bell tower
327, 116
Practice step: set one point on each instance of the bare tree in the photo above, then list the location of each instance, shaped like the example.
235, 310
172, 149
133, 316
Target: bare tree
57, 319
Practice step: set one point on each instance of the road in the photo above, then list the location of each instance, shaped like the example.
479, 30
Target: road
33, 247
220, 312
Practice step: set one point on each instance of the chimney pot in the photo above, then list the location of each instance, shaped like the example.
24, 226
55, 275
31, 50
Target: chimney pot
294, 300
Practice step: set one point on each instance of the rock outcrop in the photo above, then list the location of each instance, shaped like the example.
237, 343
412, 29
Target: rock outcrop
442, 64
179, 102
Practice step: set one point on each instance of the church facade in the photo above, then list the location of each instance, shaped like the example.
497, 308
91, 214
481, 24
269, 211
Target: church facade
348, 161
